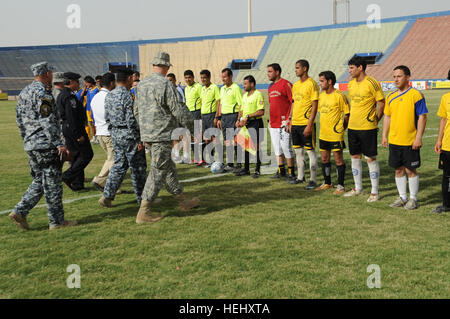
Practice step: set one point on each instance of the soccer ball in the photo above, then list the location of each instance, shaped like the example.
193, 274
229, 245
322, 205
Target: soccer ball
217, 168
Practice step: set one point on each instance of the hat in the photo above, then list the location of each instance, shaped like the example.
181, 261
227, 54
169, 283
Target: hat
162, 58
58, 77
41, 68
71, 76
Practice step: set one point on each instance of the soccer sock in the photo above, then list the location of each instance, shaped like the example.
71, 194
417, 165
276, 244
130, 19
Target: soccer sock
357, 173
203, 150
341, 174
299, 155
238, 158
401, 186
445, 190
374, 171
281, 170
326, 171
413, 187
312, 165
291, 171
247, 161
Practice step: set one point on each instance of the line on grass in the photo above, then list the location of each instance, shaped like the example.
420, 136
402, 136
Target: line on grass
68, 201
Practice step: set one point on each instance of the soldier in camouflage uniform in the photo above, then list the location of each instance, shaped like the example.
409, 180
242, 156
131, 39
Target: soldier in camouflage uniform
158, 110
128, 149
38, 125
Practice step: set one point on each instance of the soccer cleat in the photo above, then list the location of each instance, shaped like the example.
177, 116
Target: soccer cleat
353, 192
311, 185
237, 169
323, 187
411, 204
201, 163
105, 202
177, 159
399, 202
277, 175
256, 174
228, 168
339, 190
294, 180
242, 172
373, 198
186, 160
97, 186
66, 223
20, 221
440, 209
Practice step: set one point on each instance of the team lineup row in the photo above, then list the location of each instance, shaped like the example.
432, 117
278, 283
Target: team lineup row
293, 110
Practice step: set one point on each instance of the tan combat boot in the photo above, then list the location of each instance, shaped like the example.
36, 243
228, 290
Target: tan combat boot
20, 221
66, 223
186, 204
105, 202
144, 215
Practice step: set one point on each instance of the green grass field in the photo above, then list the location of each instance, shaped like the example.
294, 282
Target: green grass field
249, 239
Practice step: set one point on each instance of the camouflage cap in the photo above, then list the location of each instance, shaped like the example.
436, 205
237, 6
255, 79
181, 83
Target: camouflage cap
41, 68
58, 77
162, 58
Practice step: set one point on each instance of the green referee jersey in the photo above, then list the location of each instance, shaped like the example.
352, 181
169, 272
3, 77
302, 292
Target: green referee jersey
230, 98
192, 94
209, 96
252, 103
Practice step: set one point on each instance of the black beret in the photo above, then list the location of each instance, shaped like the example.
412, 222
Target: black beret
71, 76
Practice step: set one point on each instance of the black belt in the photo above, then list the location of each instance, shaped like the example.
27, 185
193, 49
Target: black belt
123, 126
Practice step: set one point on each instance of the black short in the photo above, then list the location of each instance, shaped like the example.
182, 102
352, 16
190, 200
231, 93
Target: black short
444, 162
363, 142
403, 156
331, 146
197, 114
256, 125
299, 140
208, 123
228, 122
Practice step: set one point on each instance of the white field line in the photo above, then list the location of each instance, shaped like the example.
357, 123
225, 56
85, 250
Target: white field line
68, 201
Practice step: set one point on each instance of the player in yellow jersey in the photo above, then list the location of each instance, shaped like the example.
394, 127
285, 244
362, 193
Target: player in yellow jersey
442, 147
192, 93
305, 93
334, 114
405, 120
365, 92
210, 96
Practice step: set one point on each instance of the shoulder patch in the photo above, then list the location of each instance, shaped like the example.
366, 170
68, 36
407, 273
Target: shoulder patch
46, 107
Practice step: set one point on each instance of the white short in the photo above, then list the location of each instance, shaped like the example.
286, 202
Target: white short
281, 142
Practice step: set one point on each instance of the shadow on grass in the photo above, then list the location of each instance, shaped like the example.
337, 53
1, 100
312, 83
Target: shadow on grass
235, 193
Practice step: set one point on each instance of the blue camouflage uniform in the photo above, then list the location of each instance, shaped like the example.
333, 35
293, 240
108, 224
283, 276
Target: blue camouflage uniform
38, 123
125, 138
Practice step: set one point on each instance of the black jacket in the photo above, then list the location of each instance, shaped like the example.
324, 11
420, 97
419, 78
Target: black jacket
73, 114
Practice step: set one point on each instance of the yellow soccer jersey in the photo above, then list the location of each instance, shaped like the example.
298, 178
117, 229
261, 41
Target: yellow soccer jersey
404, 110
303, 94
252, 103
331, 108
192, 93
209, 96
363, 101
444, 112
230, 98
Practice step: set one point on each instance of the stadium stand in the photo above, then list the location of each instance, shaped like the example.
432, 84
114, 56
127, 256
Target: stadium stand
425, 50
212, 54
419, 41
326, 49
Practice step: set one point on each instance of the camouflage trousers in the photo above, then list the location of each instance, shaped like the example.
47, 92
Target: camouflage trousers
46, 170
162, 172
126, 156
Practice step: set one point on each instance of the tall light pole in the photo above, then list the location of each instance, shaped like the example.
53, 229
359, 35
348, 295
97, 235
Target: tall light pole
335, 10
249, 16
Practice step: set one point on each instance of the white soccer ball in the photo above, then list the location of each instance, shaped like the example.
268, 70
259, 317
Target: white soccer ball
217, 168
